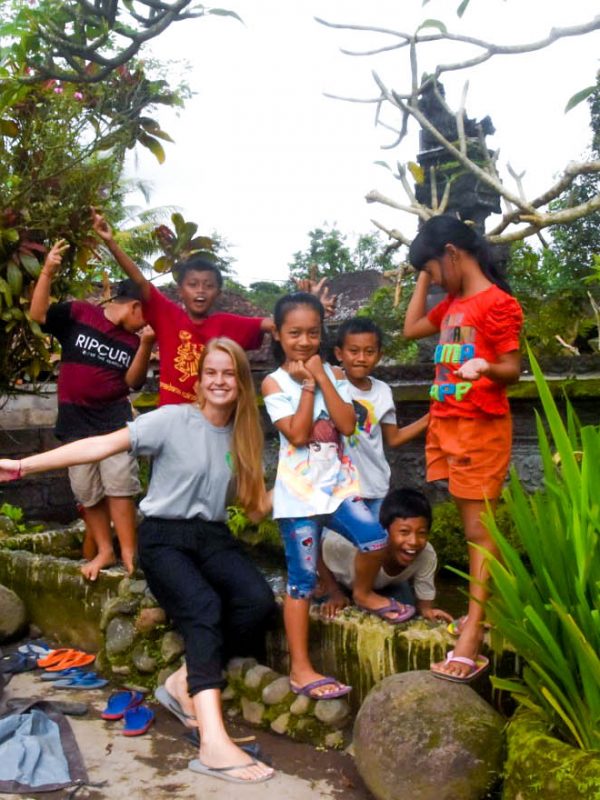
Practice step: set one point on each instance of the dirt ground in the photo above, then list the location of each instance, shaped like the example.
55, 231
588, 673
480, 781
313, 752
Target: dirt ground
154, 766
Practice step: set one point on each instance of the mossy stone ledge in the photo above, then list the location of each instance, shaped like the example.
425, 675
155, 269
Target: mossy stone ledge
541, 767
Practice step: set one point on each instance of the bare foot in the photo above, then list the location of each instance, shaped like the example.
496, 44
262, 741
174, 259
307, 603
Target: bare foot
176, 686
225, 753
128, 559
467, 646
93, 567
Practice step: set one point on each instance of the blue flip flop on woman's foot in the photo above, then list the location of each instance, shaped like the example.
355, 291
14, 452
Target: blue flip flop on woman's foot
137, 720
88, 680
121, 702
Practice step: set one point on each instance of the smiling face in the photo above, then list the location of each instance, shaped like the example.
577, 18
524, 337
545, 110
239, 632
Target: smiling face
300, 333
218, 382
198, 291
359, 355
407, 537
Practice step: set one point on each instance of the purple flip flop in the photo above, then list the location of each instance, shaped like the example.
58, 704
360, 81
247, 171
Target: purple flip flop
394, 606
308, 690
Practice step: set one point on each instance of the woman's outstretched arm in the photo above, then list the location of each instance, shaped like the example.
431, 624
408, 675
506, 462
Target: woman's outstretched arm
84, 451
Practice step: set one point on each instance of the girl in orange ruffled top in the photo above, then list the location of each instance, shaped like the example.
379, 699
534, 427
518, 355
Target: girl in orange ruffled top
470, 433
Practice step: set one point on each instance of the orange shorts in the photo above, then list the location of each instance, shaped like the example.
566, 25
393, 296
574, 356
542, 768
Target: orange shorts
471, 454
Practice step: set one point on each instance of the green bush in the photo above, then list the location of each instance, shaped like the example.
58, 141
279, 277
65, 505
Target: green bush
546, 601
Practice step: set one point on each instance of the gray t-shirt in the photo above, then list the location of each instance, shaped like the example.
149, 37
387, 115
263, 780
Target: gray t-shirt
365, 446
191, 467
339, 554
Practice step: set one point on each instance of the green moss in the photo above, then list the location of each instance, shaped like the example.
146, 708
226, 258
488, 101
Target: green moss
541, 767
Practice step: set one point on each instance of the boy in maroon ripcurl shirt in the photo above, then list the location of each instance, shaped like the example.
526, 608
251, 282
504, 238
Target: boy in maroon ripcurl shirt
102, 359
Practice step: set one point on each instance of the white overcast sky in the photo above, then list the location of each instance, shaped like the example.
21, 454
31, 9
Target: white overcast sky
262, 157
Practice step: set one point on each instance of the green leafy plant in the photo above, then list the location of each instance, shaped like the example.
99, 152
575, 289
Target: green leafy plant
546, 602
17, 515
266, 532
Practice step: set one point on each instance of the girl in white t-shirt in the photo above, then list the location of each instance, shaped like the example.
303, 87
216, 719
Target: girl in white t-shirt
316, 483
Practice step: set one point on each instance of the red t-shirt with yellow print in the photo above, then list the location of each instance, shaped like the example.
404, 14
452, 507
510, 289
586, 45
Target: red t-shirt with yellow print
485, 325
181, 341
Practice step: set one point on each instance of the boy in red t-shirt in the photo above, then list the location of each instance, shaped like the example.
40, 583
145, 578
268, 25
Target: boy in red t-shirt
182, 332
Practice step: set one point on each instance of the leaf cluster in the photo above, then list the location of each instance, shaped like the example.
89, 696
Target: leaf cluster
62, 149
546, 602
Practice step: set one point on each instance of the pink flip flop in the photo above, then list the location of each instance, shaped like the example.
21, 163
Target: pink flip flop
477, 667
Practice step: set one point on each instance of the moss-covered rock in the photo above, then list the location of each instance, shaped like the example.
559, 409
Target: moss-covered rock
419, 737
541, 767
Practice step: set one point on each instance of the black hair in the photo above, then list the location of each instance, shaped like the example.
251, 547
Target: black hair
402, 504
437, 232
359, 325
196, 264
282, 308
125, 291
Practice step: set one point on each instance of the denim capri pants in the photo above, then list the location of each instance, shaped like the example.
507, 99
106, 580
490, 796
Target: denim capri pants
352, 519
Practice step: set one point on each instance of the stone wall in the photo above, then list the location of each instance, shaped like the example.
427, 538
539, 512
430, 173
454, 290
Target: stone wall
27, 428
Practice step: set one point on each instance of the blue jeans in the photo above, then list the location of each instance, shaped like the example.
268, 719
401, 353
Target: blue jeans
374, 505
302, 536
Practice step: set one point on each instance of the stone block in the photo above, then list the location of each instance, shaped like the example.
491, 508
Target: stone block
142, 659
332, 712
13, 615
280, 724
252, 711
255, 676
120, 636
301, 705
171, 647
116, 606
149, 618
238, 666
276, 691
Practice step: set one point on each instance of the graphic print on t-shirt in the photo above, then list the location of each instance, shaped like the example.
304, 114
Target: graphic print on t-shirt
366, 419
457, 345
187, 356
88, 345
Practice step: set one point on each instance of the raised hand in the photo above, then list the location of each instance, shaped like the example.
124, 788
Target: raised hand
54, 256
101, 226
147, 334
315, 367
298, 371
319, 289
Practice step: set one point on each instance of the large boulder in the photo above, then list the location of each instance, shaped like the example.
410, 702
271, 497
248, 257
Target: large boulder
13, 616
423, 738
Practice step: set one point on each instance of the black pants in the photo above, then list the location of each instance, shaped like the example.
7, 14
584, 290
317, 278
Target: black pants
216, 597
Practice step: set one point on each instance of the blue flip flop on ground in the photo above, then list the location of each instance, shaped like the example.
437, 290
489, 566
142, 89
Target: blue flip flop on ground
88, 680
121, 702
70, 672
137, 721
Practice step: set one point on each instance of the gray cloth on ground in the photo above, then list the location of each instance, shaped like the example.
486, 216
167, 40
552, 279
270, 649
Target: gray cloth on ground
38, 752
